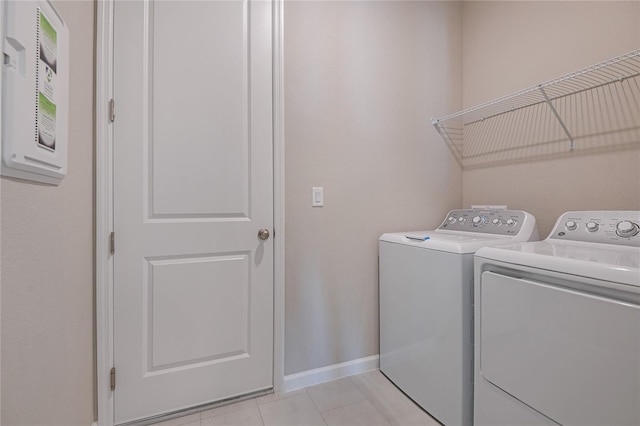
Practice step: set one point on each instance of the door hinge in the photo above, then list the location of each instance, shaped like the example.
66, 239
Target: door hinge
112, 243
112, 110
113, 378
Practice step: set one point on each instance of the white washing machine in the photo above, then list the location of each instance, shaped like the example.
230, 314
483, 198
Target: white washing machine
426, 281
557, 325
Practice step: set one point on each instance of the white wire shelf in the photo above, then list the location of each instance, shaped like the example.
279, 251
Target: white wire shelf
595, 109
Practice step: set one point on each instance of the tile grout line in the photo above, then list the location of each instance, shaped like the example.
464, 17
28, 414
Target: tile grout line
259, 412
358, 402
324, 420
315, 405
368, 392
357, 387
389, 422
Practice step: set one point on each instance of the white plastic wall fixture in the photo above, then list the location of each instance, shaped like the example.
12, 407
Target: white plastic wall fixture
35, 92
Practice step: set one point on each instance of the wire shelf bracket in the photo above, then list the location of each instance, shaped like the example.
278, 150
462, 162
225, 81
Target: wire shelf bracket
555, 113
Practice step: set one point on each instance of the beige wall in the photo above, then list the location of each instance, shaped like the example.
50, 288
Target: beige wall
510, 46
47, 268
362, 80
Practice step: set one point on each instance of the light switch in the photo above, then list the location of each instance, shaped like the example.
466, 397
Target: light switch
317, 196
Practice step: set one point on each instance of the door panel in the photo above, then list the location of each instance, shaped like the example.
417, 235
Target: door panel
199, 106
570, 355
194, 285
193, 179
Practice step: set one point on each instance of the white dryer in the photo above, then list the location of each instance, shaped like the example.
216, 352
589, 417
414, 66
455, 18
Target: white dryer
557, 325
426, 281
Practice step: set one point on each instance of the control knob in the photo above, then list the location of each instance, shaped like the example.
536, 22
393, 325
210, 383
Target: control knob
511, 222
451, 219
462, 220
496, 222
592, 226
478, 220
627, 229
571, 225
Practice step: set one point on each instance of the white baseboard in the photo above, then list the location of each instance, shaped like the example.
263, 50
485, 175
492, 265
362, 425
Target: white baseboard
330, 372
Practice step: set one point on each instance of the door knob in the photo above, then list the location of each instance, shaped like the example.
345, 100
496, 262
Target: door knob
263, 234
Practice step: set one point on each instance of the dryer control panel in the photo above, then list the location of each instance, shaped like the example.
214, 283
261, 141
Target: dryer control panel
486, 221
599, 226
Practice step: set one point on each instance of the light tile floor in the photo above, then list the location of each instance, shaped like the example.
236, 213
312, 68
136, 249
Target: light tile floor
367, 399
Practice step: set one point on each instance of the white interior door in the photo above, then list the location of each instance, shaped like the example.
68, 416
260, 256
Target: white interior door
193, 185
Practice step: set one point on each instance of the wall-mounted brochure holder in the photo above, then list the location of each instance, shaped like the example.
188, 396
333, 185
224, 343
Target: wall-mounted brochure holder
35, 92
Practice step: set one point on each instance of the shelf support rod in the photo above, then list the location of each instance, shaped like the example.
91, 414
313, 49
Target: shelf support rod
546, 98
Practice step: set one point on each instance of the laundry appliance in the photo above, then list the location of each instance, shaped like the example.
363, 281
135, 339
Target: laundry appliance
557, 325
426, 281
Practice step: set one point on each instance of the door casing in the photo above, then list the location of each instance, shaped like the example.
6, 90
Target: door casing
104, 205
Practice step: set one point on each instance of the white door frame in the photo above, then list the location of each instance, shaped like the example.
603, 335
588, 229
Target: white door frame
104, 204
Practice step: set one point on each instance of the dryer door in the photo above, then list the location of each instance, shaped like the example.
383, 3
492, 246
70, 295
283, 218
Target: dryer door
572, 356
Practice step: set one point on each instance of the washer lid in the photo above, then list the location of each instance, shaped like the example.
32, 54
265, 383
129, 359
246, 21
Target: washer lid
605, 262
459, 243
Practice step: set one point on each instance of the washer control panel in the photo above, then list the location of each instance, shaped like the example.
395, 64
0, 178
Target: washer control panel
485, 221
608, 227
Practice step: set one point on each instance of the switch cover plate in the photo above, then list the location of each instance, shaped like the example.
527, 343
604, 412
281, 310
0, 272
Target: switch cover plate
317, 196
